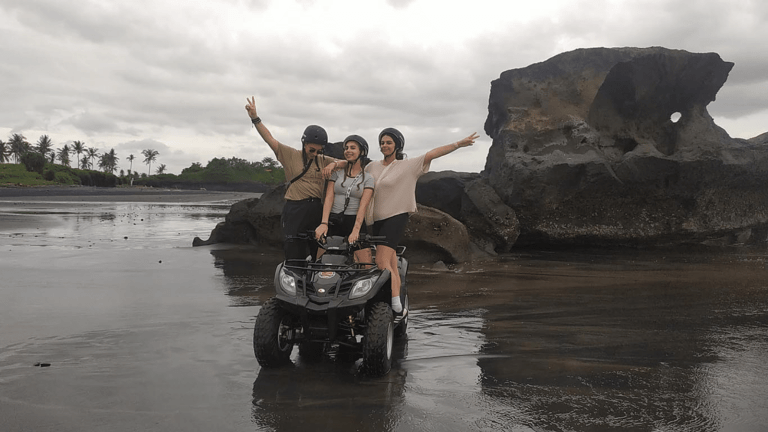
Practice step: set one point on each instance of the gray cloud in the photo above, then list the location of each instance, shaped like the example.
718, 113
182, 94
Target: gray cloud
128, 76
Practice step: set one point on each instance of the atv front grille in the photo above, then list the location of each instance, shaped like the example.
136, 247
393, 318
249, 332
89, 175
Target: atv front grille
339, 284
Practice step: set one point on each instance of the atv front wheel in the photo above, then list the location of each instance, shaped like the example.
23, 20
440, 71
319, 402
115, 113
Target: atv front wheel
377, 343
270, 335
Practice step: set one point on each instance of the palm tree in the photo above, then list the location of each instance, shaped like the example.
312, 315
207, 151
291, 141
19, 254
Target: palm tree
108, 161
63, 155
130, 158
52, 156
84, 162
92, 154
4, 151
161, 169
44, 145
78, 147
19, 146
149, 157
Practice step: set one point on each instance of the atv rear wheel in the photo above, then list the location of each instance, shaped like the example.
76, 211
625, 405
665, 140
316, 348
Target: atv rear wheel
377, 343
270, 335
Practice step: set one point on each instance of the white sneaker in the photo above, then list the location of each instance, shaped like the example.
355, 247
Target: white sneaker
397, 307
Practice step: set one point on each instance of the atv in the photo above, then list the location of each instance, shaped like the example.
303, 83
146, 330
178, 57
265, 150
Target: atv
333, 301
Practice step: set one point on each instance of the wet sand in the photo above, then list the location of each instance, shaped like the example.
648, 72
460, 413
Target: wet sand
116, 194
139, 330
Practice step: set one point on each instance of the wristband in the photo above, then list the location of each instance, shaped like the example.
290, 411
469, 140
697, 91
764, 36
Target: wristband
255, 121
324, 223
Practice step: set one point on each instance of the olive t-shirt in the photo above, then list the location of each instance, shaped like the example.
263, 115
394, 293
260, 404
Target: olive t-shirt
312, 183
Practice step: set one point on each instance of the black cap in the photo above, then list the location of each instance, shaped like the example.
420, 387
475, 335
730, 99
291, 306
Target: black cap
314, 134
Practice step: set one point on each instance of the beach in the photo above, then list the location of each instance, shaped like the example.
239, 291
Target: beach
111, 320
117, 194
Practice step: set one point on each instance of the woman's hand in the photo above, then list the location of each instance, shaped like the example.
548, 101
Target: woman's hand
251, 107
329, 169
321, 231
353, 236
468, 141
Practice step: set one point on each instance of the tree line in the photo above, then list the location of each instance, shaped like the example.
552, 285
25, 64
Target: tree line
17, 146
36, 157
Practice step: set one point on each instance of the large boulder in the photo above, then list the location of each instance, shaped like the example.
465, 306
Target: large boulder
467, 197
251, 221
235, 228
493, 225
588, 149
265, 216
432, 235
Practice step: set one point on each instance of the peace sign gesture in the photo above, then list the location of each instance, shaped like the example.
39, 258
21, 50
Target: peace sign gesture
251, 107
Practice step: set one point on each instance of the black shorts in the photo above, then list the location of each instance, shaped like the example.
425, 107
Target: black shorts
392, 228
345, 228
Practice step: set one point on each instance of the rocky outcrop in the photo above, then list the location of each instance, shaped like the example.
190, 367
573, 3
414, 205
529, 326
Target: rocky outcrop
431, 236
492, 225
587, 151
236, 228
591, 147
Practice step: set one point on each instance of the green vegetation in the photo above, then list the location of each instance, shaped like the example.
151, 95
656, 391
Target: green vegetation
36, 165
16, 174
33, 161
53, 174
220, 170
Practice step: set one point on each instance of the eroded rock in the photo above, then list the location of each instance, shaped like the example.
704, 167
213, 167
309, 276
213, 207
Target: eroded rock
492, 225
432, 235
586, 152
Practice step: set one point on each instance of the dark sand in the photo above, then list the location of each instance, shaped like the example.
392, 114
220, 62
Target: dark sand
141, 331
117, 194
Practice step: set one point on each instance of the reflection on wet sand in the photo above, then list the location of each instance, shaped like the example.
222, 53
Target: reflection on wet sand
588, 341
142, 330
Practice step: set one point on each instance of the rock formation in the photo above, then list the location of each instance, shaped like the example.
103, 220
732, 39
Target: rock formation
602, 146
492, 225
432, 235
586, 150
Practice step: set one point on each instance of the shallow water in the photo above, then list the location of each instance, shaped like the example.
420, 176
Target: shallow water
144, 332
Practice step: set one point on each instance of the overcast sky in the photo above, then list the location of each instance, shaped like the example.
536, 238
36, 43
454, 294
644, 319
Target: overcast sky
174, 75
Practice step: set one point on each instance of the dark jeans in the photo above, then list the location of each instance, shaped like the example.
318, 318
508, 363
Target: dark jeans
299, 217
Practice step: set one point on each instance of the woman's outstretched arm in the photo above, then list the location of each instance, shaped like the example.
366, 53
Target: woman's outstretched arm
444, 150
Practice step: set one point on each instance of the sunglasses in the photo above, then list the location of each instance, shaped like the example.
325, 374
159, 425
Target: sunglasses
314, 150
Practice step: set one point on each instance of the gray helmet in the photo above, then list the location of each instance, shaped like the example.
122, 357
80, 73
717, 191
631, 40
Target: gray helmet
314, 134
397, 137
361, 141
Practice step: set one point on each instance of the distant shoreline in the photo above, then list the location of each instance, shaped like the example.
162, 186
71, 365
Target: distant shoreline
117, 194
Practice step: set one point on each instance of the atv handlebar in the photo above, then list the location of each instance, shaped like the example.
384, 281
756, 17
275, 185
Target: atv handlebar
365, 240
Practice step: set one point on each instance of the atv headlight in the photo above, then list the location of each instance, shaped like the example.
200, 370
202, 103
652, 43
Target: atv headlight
362, 287
287, 282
